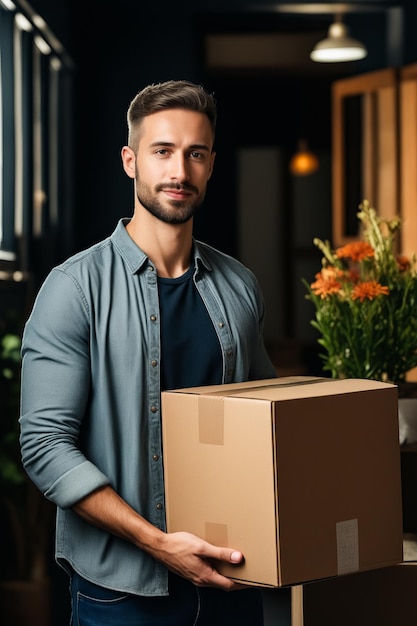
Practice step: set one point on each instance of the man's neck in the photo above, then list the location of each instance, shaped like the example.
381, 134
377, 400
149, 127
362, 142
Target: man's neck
168, 246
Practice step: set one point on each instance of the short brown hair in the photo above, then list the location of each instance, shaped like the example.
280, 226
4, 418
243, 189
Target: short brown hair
172, 94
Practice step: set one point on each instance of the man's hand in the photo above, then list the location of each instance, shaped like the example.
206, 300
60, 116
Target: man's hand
192, 557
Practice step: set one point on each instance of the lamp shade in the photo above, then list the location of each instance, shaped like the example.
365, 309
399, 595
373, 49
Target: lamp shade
338, 46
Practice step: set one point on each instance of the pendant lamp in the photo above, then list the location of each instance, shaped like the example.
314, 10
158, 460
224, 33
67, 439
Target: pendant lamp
338, 46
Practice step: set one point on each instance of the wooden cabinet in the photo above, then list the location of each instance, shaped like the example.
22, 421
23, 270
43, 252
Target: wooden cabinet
407, 81
365, 149
374, 149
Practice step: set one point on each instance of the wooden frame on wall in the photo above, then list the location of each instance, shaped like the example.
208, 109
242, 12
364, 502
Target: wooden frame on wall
408, 157
365, 149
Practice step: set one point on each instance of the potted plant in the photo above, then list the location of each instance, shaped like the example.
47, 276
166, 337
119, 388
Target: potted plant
365, 300
27, 518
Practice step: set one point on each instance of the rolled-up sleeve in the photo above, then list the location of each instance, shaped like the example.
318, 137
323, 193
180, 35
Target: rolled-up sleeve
55, 389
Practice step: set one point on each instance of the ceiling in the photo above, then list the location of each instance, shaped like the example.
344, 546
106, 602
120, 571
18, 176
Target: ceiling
281, 35
248, 35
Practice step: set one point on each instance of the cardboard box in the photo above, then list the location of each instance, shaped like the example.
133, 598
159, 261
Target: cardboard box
382, 597
302, 474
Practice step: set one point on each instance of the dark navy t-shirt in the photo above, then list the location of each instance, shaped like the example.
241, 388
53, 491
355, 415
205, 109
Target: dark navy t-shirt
191, 354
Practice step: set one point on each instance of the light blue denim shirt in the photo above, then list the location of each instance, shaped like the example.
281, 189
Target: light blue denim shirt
90, 406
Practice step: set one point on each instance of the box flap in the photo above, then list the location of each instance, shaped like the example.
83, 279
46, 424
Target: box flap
286, 388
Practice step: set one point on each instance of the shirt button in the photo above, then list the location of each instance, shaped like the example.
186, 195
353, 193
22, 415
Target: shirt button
155, 457
221, 324
153, 318
150, 268
159, 506
154, 409
154, 362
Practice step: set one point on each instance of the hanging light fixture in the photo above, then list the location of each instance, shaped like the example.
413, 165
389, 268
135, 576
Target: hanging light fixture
338, 46
303, 162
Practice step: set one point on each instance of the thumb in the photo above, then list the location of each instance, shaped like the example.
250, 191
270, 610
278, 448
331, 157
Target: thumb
236, 556
223, 554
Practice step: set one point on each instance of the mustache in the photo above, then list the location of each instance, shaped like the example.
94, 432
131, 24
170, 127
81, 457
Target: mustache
176, 186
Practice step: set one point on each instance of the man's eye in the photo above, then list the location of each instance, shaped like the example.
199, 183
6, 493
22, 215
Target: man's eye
162, 151
196, 155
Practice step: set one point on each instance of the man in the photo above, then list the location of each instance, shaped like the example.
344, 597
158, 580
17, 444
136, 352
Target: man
147, 309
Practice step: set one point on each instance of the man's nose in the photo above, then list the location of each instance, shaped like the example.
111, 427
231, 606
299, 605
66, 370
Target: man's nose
179, 168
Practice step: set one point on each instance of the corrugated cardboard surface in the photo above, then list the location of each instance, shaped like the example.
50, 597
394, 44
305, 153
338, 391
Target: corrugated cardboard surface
302, 474
383, 597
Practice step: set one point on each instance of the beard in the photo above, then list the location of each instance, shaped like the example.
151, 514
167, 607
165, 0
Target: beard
178, 211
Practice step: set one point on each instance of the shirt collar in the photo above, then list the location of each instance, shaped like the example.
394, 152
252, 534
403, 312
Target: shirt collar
127, 248
135, 256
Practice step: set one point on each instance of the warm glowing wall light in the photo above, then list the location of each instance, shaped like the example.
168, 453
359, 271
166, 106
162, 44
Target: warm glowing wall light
303, 162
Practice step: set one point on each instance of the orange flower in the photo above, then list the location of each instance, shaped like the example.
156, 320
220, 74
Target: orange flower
357, 251
331, 273
327, 282
403, 263
369, 290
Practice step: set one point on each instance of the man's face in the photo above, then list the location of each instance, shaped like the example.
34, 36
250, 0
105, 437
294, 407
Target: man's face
174, 162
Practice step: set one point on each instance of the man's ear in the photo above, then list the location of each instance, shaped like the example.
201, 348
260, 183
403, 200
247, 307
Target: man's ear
129, 161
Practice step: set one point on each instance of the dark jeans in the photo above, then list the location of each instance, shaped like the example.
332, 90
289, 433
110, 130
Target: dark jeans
186, 605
